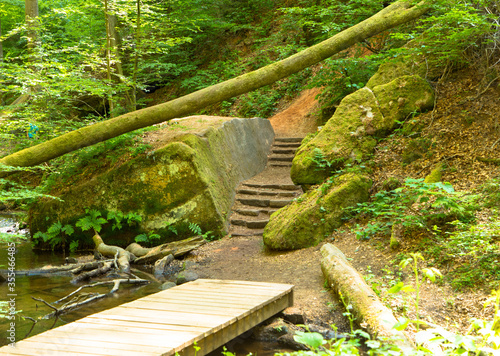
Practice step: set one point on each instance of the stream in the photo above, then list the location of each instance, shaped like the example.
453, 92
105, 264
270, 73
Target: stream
51, 287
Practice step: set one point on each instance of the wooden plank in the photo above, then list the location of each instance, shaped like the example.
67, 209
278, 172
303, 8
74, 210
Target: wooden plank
206, 312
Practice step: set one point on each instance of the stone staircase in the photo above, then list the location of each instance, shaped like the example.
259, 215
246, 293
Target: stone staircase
283, 151
260, 196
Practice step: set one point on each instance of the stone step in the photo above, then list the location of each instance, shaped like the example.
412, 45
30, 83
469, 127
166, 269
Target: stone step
264, 202
266, 193
288, 139
284, 151
289, 145
244, 231
252, 224
273, 186
280, 164
257, 224
281, 158
253, 212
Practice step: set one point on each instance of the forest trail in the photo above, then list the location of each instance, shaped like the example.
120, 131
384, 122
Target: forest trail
243, 256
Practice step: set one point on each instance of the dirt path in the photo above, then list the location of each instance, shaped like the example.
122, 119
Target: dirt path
246, 258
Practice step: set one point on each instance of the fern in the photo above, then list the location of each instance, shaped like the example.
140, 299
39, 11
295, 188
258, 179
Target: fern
195, 228
91, 221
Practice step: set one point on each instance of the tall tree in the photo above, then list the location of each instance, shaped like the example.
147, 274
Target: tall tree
397, 13
32, 25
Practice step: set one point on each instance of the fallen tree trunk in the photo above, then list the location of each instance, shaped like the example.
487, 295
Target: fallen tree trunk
176, 248
395, 14
369, 311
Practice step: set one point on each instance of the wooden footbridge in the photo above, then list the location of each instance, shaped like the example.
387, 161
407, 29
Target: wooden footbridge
203, 314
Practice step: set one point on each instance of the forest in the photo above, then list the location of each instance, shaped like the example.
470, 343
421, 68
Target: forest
83, 82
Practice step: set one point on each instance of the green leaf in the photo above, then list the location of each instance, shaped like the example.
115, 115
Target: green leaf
141, 238
401, 324
312, 340
396, 288
68, 229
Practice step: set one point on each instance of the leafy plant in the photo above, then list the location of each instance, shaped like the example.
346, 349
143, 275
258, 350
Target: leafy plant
149, 239
427, 273
414, 205
93, 220
56, 234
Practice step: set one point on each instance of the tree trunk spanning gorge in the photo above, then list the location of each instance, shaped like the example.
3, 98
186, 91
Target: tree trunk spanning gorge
391, 16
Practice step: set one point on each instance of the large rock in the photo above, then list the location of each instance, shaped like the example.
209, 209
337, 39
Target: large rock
191, 178
308, 220
348, 134
362, 117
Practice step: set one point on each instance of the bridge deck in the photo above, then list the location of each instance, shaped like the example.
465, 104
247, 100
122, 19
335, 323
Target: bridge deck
204, 313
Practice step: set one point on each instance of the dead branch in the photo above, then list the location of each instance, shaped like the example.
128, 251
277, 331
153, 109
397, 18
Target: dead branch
176, 248
105, 268
124, 257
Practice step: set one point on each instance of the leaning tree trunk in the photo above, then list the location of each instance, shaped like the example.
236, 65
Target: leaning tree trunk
393, 15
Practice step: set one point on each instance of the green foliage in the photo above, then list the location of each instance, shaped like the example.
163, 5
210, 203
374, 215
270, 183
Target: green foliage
427, 273
314, 21
415, 205
453, 29
491, 193
58, 236
195, 228
312, 340
149, 239
93, 220
18, 193
339, 77
474, 252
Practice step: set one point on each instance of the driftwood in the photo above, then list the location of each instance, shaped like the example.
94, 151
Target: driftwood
73, 268
176, 248
99, 270
80, 300
124, 257
371, 314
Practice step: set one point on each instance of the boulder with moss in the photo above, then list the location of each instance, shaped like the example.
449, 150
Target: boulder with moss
309, 219
190, 178
361, 118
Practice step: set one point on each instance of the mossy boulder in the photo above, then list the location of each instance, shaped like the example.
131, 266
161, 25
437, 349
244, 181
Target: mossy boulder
309, 219
346, 136
390, 70
406, 95
191, 178
361, 118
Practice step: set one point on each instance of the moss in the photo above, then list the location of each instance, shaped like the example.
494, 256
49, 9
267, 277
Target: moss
345, 137
436, 174
306, 223
390, 70
416, 149
390, 183
404, 96
191, 179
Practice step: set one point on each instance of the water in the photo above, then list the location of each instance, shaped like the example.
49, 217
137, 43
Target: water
49, 288
52, 287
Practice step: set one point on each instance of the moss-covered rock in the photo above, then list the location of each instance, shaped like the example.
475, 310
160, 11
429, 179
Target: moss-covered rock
390, 70
191, 178
362, 117
404, 96
348, 135
436, 174
308, 220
